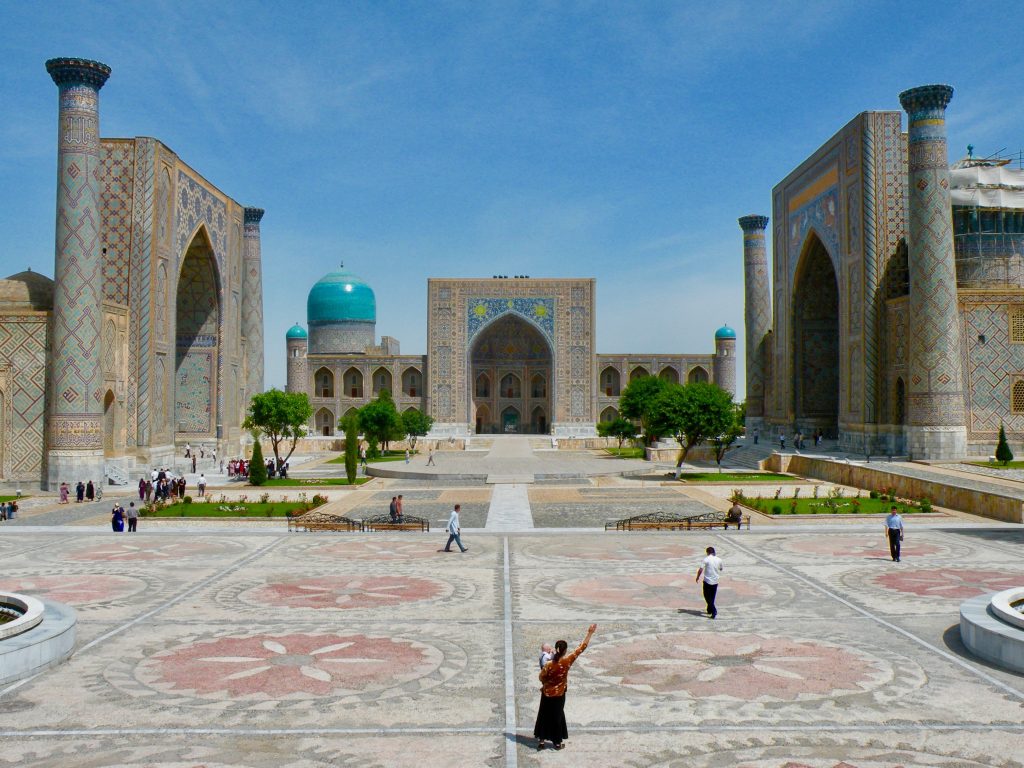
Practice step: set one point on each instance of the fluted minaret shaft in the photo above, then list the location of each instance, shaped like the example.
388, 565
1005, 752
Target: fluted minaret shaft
935, 398
252, 301
757, 312
75, 432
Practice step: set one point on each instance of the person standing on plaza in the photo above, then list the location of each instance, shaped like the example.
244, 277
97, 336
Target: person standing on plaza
64, 493
193, 464
454, 530
406, 455
80, 492
201, 484
393, 509
133, 518
90, 491
142, 488
117, 518
554, 681
711, 569
188, 451
894, 532
149, 491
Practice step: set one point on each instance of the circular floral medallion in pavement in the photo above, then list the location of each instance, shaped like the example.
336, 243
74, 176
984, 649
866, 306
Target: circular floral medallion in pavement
346, 592
619, 550
847, 545
78, 589
819, 753
657, 590
301, 666
377, 550
741, 666
949, 584
153, 550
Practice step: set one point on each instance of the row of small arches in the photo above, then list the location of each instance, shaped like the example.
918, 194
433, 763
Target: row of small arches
511, 386
327, 423
352, 382
611, 381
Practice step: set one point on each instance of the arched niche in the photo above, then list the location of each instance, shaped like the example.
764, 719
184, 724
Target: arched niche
197, 340
611, 382
815, 340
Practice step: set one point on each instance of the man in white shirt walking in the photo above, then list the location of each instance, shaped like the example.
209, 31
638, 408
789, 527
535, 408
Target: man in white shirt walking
894, 532
454, 530
711, 568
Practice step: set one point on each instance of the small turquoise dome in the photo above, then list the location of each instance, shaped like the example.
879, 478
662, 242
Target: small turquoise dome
340, 296
725, 332
296, 332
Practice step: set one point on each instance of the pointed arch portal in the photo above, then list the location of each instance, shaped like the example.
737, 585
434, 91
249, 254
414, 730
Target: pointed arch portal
512, 359
197, 343
816, 341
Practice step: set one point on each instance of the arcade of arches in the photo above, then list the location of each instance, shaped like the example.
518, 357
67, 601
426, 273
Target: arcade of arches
816, 341
510, 367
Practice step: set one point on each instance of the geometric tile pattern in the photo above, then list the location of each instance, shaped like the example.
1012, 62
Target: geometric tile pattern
75, 369
117, 160
139, 354
197, 328
23, 346
934, 391
990, 367
758, 308
252, 300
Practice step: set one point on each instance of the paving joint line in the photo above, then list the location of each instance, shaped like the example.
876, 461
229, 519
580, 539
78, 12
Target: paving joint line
153, 611
1015, 692
511, 752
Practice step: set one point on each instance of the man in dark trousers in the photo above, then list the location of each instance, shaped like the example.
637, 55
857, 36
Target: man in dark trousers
894, 530
711, 569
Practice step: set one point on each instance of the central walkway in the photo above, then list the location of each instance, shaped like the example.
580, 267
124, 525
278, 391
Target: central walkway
510, 509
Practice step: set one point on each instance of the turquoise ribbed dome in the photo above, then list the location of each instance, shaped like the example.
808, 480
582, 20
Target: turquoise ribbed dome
725, 332
340, 296
296, 332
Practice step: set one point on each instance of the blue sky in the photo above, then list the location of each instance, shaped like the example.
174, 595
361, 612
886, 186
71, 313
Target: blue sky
612, 140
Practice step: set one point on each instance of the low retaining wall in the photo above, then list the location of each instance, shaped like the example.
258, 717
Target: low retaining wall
697, 453
45, 645
978, 502
985, 635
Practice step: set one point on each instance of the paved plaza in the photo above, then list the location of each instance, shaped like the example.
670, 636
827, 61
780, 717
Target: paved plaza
212, 646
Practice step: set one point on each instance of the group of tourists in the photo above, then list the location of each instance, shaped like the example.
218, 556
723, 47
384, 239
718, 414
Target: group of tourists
395, 508
161, 485
9, 510
239, 468
118, 515
799, 442
83, 492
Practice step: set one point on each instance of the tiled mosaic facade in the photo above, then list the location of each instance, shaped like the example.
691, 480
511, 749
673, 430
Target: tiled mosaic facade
757, 312
114, 379
938, 358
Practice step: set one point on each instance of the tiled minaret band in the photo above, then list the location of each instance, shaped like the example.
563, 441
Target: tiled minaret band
724, 363
758, 314
935, 398
75, 420
252, 301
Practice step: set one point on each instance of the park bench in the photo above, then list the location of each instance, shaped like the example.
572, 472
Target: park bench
318, 521
665, 521
385, 523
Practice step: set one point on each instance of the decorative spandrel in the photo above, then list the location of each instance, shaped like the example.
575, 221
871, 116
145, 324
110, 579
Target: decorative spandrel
539, 311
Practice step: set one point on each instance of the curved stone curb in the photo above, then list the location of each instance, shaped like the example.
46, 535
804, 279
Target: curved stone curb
45, 645
990, 638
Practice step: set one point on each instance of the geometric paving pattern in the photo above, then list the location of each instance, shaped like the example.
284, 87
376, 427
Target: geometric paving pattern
260, 649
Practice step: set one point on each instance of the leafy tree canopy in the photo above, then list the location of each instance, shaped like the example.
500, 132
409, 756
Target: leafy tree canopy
637, 402
257, 467
619, 428
281, 416
416, 424
379, 420
692, 414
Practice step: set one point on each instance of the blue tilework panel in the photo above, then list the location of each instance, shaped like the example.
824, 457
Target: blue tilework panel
117, 170
194, 380
480, 311
23, 346
992, 368
197, 327
821, 213
196, 205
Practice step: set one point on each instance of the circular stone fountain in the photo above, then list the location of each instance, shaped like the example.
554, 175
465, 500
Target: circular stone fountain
33, 635
992, 627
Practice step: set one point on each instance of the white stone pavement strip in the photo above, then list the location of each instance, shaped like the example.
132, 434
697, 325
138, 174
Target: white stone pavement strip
510, 509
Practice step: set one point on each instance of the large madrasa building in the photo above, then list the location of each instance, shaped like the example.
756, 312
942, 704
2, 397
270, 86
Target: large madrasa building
150, 335
891, 315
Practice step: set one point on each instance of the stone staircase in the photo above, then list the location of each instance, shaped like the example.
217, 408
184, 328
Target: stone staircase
115, 475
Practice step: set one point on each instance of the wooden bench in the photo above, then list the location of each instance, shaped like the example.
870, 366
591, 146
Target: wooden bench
339, 524
385, 523
679, 524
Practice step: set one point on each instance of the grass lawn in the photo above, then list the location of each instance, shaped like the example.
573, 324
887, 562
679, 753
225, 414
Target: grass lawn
865, 505
385, 456
998, 464
737, 477
5, 499
305, 482
627, 453
229, 509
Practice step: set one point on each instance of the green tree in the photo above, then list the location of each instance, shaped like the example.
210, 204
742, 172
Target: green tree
723, 442
637, 402
693, 414
416, 424
619, 428
379, 420
281, 416
1003, 452
257, 466
350, 424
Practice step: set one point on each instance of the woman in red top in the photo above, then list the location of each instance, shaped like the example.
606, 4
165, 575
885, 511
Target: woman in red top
554, 679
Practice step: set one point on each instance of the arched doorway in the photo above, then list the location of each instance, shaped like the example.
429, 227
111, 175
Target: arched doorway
323, 383
353, 381
411, 382
108, 423
816, 341
669, 374
382, 382
197, 344
511, 368
609, 414
638, 373
610, 382
697, 375
325, 422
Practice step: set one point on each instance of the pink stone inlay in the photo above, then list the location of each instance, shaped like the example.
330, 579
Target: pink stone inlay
346, 592
846, 545
80, 589
657, 590
956, 584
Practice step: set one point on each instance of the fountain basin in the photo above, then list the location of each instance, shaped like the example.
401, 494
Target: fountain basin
992, 628
41, 635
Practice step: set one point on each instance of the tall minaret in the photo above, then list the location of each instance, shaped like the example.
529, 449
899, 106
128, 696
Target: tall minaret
296, 344
74, 440
252, 301
935, 399
757, 315
724, 363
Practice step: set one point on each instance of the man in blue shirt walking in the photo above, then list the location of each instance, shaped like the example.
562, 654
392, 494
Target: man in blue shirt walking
894, 530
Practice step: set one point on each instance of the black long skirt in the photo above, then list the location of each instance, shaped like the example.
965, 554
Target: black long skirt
550, 724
